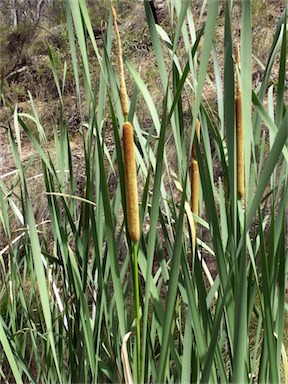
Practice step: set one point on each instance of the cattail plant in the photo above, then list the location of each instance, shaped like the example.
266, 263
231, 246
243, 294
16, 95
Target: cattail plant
123, 91
131, 191
132, 211
128, 149
72, 283
239, 131
130, 182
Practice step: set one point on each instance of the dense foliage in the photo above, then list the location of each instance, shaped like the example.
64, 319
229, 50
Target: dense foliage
212, 300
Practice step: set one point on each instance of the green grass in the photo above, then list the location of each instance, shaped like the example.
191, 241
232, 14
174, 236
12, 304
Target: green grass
66, 279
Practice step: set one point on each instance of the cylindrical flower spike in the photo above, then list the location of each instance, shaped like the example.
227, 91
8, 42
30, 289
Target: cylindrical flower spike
239, 133
194, 179
130, 174
123, 91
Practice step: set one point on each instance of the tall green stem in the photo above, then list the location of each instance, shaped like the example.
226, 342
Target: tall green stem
137, 309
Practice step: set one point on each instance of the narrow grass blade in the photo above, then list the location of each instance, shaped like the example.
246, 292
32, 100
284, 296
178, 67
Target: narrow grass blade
152, 235
41, 279
172, 292
246, 86
79, 28
54, 71
281, 76
240, 328
9, 354
272, 159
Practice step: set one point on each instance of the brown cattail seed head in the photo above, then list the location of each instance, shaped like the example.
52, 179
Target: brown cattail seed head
194, 178
130, 174
123, 91
197, 132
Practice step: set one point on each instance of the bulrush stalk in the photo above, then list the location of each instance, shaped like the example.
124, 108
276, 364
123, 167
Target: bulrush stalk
130, 182
123, 91
132, 210
130, 175
239, 133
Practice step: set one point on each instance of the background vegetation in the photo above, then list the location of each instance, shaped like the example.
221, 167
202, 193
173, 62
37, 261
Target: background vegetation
213, 299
